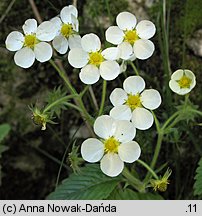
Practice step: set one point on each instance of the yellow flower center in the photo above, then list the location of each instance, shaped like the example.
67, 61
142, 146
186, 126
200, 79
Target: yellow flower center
96, 58
66, 30
30, 41
111, 145
131, 36
133, 101
184, 82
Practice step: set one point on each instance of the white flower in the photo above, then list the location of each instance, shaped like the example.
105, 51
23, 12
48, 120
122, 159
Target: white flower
130, 102
182, 81
115, 146
132, 39
30, 45
67, 26
93, 61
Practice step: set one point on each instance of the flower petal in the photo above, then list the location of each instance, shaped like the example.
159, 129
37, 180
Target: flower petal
75, 23
151, 99
114, 35
145, 29
67, 12
14, 41
126, 21
125, 131
24, 57
90, 43
92, 150
174, 86
143, 49
89, 74
109, 70
118, 97
43, 51
77, 57
134, 85
184, 91
111, 53
142, 118
74, 41
111, 165
60, 43
126, 50
177, 74
129, 152
191, 75
46, 31
121, 112
57, 24
104, 126
30, 26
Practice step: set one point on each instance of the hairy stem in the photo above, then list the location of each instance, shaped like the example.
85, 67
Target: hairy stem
78, 100
134, 68
56, 102
104, 88
148, 168
92, 94
133, 181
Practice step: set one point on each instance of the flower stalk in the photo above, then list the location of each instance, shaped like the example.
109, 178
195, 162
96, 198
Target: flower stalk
104, 88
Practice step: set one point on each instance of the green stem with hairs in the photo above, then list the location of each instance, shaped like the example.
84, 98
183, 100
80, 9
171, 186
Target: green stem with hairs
136, 183
64, 77
92, 94
55, 103
73, 106
104, 88
134, 68
170, 119
148, 168
72, 90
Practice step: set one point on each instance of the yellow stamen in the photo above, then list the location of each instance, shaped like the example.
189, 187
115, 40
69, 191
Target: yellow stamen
66, 30
111, 145
133, 101
131, 36
95, 58
184, 82
30, 41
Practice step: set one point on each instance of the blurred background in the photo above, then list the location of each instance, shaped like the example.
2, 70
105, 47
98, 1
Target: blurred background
31, 162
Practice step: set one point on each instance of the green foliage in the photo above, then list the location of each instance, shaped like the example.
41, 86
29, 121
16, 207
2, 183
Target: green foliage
4, 130
128, 194
90, 184
198, 178
192, 16
187, 111
56, 97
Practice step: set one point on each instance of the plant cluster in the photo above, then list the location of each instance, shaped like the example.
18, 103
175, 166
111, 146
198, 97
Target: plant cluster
113, 133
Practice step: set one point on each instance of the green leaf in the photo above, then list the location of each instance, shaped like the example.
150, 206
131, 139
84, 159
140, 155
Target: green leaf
91, 184
4, 130
198, 178
128, 194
